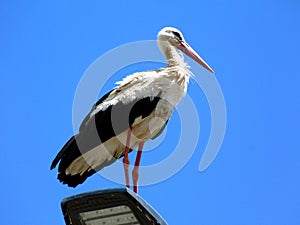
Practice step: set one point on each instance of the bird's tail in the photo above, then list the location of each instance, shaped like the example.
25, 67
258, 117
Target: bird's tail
69, 145
67, 155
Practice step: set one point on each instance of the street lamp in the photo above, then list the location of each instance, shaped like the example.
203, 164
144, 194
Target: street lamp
114, 206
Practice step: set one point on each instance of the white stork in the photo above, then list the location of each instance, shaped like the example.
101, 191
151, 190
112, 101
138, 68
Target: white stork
137, 110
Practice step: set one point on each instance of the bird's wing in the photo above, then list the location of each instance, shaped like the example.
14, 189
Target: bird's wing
88, 116
114, 113
135, 94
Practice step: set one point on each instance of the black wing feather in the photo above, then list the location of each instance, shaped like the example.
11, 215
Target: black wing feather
87, 117
96, 129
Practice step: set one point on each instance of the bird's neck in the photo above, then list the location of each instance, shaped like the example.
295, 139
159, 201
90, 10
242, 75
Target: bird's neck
174, 57
171, 53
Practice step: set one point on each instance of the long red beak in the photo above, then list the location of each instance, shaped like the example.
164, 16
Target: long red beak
191, 53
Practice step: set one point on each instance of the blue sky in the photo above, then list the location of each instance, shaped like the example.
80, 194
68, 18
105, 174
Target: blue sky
252, 45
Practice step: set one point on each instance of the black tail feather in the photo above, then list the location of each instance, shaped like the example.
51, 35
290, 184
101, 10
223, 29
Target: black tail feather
74, 180
67, 155
62, 152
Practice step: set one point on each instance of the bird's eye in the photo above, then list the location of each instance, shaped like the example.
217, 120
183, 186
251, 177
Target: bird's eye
177, 35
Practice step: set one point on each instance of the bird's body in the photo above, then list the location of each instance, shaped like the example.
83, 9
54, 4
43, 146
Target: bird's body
135, 111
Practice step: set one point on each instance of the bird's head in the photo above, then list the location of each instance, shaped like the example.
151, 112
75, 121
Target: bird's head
170, 36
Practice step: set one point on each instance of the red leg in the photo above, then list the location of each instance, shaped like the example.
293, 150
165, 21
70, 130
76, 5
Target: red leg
135, 172
126, 161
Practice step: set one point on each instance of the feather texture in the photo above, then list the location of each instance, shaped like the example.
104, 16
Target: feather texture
142, 102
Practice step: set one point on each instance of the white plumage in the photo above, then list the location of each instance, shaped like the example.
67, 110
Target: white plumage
132, 113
